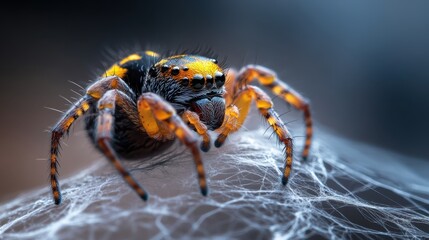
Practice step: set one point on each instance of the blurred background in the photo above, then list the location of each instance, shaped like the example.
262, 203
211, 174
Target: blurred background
363, 64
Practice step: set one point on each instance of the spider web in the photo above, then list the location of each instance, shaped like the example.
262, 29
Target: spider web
346, 190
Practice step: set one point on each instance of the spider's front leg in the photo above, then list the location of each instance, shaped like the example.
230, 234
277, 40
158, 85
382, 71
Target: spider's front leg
154, 111
236, 114
268, 78
106, 121
93, 93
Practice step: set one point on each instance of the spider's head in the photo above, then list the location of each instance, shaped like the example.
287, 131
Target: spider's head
195, 72
190, 82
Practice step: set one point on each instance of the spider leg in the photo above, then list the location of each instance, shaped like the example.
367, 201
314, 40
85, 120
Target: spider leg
61, 128
243, 100
231, 76
105, 124
155, 111
94, 92
201, 128
268, 78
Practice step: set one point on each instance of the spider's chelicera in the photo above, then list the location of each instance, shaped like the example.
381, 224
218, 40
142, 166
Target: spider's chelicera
144, 102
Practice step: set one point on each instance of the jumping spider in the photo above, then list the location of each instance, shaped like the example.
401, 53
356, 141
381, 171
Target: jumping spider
145, 101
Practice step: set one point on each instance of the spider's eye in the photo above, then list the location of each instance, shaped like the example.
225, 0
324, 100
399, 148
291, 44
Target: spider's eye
185, 81
219, 79
164, 68
175, 70
197, 81
209, 81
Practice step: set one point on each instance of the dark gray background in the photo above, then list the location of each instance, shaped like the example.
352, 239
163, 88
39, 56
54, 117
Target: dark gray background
363, 65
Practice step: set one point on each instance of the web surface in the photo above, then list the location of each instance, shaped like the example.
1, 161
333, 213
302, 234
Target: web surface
345, 190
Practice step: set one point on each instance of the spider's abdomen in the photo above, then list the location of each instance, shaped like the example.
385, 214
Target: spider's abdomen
133, 69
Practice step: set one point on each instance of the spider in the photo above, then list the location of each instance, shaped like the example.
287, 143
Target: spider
144, 102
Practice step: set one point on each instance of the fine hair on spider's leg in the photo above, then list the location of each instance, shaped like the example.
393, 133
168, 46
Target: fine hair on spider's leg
265, 107
104, 128
59, 130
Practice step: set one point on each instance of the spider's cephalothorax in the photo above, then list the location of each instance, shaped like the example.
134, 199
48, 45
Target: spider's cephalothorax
144, 102
192, 83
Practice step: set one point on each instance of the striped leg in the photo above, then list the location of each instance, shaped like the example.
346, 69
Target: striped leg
264, 104
201, 128
105, 124
155, 110
268, 78
94, 92
60, 129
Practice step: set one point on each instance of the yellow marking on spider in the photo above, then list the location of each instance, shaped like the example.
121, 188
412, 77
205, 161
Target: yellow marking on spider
271, 120
115, 70
85, 106
266, 80
277, 90
79, 112
203, 67
132, 57
69, 122
263, 104
292, 100
177, 56
149, 122
151, 54
161, 115
195, 65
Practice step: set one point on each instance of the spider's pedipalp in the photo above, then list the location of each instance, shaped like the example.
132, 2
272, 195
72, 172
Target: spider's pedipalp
201, 128
153, 109
230, 124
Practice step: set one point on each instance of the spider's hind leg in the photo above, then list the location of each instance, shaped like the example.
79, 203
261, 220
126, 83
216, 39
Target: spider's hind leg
104, 128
